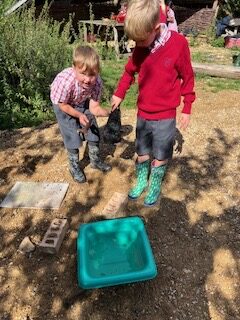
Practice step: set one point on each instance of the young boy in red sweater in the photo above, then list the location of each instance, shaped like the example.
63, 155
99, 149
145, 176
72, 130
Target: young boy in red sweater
165, 75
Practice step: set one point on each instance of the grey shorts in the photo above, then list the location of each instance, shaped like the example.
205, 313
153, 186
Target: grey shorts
69, 125
155, 138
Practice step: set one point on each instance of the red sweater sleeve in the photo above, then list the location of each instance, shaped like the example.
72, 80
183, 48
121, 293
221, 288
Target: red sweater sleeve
126, 79
187, 75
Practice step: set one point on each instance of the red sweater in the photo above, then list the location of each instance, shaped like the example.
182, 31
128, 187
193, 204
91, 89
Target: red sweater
163, 77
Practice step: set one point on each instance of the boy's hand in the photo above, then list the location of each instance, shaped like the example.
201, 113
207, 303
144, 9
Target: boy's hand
83, 119
183, 121
105, 112
115, 102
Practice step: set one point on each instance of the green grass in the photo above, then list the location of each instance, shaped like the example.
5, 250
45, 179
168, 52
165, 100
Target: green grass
203, 57
112, 70
111, 73
214, 84
212, 57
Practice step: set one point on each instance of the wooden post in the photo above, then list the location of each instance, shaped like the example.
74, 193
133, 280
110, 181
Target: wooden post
116, 43
85, 32
215, 5
215, 8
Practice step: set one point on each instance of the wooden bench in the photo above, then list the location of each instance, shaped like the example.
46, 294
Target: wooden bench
107, 23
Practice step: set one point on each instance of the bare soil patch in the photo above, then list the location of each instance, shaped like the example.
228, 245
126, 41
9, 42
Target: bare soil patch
194, 231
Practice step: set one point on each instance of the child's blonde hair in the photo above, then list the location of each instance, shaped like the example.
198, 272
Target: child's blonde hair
141, 19
87, 59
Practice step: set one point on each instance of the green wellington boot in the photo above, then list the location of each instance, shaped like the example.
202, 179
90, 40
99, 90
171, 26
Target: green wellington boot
157, 174
142, 171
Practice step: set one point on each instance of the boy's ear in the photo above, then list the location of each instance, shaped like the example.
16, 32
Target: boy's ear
157, 27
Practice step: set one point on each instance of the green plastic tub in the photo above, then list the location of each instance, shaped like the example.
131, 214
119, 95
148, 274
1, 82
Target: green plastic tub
113, 252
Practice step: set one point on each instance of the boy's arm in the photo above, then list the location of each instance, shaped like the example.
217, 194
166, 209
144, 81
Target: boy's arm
187, 75
96, 109
94, 102
60, 93
75, 113
124, 83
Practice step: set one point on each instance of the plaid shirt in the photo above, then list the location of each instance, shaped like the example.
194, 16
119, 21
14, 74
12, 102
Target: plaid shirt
162, 39
66, 89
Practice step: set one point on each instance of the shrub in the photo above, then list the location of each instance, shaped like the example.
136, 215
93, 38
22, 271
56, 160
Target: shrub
33, 50
217, 42
4, 6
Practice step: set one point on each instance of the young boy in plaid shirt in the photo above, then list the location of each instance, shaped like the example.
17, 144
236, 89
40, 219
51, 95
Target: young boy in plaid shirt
75, 94
161, 59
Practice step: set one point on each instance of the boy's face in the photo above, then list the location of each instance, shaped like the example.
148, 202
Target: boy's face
85, 79
151, 37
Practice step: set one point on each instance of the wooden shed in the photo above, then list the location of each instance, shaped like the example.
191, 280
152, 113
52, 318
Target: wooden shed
192, 15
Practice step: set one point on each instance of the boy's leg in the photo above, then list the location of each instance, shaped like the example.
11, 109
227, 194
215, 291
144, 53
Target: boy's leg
93, 138
74, 166
143, 148
155, 183
94, 155
69, 126
162, 148
142, 172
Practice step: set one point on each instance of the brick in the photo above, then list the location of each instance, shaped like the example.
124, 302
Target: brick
115, 203
54, 236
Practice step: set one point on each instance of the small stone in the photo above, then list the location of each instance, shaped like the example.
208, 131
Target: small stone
186, 271
26, 245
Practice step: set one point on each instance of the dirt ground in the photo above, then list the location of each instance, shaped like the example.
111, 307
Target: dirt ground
194, 231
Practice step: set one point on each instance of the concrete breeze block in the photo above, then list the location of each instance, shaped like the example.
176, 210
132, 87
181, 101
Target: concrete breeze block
54, 235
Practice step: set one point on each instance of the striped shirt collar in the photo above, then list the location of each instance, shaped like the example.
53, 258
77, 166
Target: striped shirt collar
162, 39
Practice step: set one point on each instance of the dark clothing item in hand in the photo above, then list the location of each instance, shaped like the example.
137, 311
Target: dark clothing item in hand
112, 130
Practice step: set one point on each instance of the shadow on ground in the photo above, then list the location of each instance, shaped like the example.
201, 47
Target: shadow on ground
187, 254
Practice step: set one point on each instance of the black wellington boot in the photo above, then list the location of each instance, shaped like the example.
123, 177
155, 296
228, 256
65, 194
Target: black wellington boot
74, 168
95, 162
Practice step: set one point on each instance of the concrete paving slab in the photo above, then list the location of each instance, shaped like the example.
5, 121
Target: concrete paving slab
44, 195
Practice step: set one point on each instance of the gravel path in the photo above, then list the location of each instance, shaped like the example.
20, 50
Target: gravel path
194, 232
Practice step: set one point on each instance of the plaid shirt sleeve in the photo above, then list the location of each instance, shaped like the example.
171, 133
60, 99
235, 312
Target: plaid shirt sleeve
97, 90
61, 89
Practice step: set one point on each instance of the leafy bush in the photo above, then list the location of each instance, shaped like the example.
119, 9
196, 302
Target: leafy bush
217, 42
33, 50
4, 6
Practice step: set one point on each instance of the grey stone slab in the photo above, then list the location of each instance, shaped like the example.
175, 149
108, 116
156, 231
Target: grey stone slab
44, 195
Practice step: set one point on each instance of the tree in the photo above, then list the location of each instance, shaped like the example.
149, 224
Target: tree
232, 8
